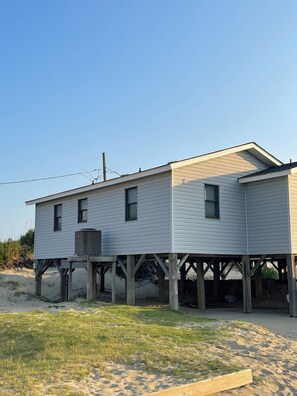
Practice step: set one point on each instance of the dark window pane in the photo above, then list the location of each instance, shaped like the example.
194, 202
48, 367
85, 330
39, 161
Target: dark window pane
210, 210
131, 203
132, 212
82, 210
212, 201
58, 210
211, 193
132, 195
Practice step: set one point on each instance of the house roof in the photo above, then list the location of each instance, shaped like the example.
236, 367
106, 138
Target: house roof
272, 172
251, 147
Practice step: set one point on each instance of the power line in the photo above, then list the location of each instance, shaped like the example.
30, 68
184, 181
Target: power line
55, 177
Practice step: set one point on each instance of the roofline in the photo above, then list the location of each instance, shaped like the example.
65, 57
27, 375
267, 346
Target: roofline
264, 155
273, 175
253, 147
108, 183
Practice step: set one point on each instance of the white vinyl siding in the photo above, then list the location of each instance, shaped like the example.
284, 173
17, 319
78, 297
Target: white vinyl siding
193, 233
268, 216
293, 211
150, 233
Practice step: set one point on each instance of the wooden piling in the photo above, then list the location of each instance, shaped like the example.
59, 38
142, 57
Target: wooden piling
200, 284
291, 265
246, 285
130, 280
173, 281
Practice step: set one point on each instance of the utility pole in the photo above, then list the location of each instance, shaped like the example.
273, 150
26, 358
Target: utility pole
104, 166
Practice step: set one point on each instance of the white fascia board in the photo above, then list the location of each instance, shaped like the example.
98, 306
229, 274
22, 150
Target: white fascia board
108, 183
255, 150
265, 177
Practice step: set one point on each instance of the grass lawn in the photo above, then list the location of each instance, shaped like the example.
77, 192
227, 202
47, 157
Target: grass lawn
41, 347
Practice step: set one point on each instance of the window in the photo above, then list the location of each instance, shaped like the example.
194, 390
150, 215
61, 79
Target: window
82, 210
131, 204
212, 202
58, 217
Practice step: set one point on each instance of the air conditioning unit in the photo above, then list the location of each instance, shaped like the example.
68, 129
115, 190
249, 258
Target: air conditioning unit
88, 242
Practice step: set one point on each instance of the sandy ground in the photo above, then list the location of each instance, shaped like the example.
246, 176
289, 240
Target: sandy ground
271, 356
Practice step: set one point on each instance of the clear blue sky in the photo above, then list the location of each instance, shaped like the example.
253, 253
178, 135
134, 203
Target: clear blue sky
145, 81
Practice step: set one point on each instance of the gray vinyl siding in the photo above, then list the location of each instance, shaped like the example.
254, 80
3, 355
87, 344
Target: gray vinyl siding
293, 211
192, 232
106, 212
268, 216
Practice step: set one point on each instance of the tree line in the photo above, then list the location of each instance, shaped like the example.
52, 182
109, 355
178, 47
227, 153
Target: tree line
17, 253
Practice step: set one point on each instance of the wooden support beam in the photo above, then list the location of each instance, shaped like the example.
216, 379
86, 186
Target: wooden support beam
102, 279
63, 285
162, 265
258, 283
69, 294
257, 265
122, 267
200, 284
291, 266
209, 386
227, 270
130, 280
138, 264
173, 281
113, 282
216, 280
183, 279
91, 282
182, 261
246, 285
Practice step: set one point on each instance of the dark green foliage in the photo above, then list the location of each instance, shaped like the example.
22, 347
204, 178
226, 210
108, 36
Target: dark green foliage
15, 253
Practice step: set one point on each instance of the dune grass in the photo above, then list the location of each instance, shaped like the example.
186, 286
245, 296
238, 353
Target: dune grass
39, 348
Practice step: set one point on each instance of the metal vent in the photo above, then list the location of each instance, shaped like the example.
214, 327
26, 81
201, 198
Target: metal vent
87, 242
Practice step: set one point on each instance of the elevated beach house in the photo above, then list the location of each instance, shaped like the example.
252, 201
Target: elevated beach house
237, 205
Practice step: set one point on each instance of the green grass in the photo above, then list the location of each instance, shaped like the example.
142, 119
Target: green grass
40, 348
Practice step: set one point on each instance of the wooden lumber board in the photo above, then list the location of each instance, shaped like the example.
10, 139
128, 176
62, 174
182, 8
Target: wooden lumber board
209, 386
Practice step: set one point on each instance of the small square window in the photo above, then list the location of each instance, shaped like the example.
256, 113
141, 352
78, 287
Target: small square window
131, 204
82, 210
58, 217
212, 209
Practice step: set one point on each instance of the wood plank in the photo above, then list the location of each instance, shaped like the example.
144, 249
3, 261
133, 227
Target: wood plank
183, 260
258, 263
130, 280
200, 284
122, 266
113, 282
138, 264
246, 284
209, 386
162, 265
173, 281
292, 284
93, 259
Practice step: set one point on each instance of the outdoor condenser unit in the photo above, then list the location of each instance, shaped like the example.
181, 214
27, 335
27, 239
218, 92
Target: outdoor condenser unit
87, 242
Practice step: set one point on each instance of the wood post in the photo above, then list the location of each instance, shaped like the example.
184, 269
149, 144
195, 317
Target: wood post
200, 284
216, 280
63, 284
258, 283
70, 282
102, 279
113, 282
91, 283
173, 281
246, 285
291, 265
161, 283
130, 280
183, 279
